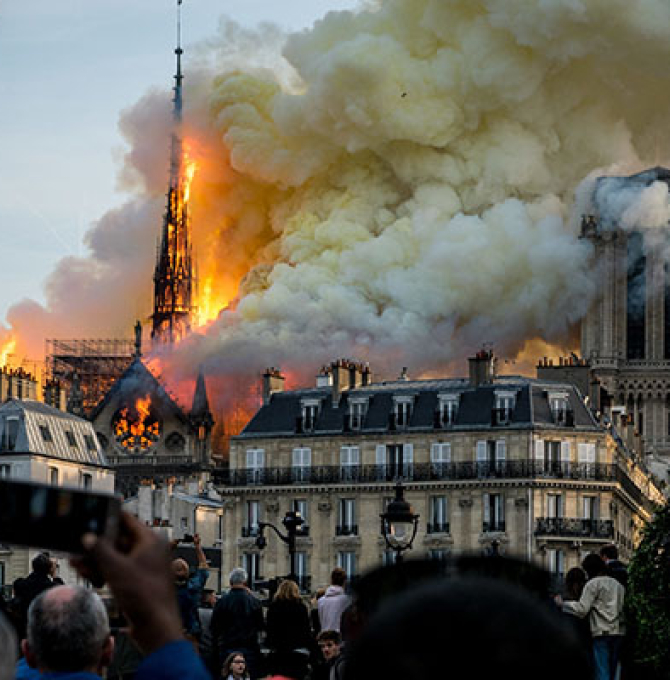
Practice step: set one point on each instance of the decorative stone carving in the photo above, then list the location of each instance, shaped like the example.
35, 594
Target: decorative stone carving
325, 505
521, 502
465, 502
272, 505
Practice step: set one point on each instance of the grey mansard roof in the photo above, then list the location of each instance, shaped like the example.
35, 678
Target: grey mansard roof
281, 415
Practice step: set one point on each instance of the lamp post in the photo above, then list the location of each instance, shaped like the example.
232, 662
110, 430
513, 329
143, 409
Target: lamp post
292, 523
399, 523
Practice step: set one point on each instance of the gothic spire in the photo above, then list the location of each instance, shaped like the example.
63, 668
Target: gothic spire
174, 279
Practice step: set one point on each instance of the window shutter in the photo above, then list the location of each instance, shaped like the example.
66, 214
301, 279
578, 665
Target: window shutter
380, 454
539, 449
355, 455
446, 452
297, 453
565, 452
501, 507
501, 450
408, 459
481, 452
435, 453
487, 508
591, 453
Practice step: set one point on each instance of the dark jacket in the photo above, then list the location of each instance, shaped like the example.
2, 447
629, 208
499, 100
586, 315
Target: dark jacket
237, 620
618, 571
288, 625
189, 594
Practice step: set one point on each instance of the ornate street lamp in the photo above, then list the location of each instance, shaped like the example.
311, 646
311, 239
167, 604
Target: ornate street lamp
399, 524
292, 523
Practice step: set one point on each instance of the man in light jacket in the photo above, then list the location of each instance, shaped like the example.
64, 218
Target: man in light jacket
334, 602
602, 601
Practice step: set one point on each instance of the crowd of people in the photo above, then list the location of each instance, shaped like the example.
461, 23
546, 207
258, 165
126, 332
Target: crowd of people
164, 622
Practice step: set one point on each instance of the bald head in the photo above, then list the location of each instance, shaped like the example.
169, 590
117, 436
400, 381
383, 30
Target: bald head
68, 631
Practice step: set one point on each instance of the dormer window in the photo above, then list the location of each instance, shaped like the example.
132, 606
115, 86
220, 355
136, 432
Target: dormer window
560, 407
310, 411
357, 410
402, 412
504, 407
447, 409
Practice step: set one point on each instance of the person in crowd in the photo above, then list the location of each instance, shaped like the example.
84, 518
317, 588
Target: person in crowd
189, 589
575, 580
490, 627
28, 588
602, 601
8, 649
235, 667
54, 572
314, 611
332, 664
127, 656
334, 602
237, 622
138, 571
68, 632
205, 610
615, 568
288, 632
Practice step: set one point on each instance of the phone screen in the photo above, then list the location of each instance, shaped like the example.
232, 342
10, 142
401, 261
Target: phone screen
43, 516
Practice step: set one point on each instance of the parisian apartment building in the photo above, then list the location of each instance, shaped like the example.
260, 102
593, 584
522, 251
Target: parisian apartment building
519, 465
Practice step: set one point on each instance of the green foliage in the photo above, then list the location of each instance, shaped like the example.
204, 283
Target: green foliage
648, 598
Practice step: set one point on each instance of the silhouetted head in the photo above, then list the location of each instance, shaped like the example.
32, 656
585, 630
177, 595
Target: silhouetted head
489, 627
594, 565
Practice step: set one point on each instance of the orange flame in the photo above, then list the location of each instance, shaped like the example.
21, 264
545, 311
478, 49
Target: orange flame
7, 349
134, 428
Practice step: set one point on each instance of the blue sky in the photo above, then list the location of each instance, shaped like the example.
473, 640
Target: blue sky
68, 69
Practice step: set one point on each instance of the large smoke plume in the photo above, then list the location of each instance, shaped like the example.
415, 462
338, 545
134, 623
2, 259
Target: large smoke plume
399, 188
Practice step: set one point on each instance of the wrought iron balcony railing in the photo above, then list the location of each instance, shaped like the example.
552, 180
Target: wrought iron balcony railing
574, 528
425, 472
346, 530
437, 528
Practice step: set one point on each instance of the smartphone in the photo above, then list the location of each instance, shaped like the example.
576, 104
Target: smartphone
44, 516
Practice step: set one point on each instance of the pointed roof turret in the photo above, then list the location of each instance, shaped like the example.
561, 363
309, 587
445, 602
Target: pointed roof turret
200, 400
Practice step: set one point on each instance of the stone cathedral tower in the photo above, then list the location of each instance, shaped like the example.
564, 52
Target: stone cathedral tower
626, 336
174, 279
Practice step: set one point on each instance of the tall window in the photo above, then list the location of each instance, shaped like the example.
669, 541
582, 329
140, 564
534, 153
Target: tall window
395, 461
448, 410
347, 560
252, 519
357, 410
504, 407
388, 558
349, 462
46, 433
347, 518
438, 554
251, 563
86, 480
491, 456
301, 464
69, 435
5, 471
439, 517
558, 403
10, 433
440, 457
554, 505
402, 411
494, 512
255, 464
301, 570
556, 562
636, 294
90, 442
310, 411
590, 509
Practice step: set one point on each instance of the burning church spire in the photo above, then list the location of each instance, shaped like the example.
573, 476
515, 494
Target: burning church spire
174, 280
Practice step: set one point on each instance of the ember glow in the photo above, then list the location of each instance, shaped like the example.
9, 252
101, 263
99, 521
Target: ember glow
136, 428
7, 349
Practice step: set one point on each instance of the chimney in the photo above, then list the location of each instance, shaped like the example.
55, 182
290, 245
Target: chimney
403, 374
339, 371
366, 378
325, 378
273, 381
482, 367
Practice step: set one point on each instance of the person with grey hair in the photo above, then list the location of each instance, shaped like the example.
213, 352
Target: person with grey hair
8, 649
237, 621
68, 632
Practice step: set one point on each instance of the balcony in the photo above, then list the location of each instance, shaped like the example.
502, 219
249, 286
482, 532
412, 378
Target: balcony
496, 525
575, 528
437, 528
426, 472
250, 532
346, 530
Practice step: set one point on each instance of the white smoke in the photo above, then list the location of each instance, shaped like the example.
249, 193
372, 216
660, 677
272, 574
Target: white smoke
399, 187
